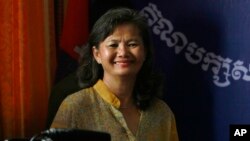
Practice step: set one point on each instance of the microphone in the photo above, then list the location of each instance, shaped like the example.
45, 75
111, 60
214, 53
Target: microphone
68, 134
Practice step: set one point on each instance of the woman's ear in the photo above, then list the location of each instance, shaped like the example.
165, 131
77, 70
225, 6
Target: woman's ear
96, 54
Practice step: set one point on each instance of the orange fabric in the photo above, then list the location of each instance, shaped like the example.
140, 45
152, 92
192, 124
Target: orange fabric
27, 58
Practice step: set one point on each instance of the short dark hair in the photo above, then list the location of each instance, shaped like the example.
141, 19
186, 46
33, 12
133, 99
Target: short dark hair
148, 84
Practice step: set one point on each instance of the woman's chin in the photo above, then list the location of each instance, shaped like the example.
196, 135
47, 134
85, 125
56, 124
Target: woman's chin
126, 74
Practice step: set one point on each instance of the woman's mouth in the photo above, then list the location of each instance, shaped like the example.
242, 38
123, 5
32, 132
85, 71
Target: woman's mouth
123, 63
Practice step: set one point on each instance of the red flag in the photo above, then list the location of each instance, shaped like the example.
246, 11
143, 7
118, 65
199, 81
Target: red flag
75, 27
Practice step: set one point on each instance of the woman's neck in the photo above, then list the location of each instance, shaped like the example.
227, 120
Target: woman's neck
122, 87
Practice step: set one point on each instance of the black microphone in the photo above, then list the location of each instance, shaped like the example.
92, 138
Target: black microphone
58, 134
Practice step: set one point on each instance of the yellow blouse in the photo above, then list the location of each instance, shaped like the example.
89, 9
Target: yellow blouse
96, 108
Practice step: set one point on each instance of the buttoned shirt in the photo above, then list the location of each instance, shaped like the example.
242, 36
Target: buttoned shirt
97, 108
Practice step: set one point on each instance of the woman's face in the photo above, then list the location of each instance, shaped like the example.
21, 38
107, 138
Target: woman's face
121, 53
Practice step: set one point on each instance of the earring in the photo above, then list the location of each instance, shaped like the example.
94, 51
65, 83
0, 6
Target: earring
98, 61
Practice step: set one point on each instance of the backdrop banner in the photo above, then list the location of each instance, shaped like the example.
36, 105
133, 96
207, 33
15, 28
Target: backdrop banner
203, 49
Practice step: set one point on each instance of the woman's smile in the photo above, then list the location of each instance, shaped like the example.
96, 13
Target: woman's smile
123, 63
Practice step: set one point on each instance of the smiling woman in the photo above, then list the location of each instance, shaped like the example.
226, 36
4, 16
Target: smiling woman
121, 91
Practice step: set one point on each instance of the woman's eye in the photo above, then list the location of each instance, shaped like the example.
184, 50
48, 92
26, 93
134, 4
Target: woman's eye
113, 45
132, 45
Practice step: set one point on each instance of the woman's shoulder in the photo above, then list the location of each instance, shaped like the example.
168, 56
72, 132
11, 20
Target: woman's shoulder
159, 106
159, 114
81, 96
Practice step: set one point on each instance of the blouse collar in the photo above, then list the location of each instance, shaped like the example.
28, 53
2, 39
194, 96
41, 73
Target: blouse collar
106, 94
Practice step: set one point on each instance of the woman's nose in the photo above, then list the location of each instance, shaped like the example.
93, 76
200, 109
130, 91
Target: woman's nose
122, 50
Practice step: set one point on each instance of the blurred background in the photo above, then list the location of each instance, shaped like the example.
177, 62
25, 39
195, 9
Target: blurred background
202, 47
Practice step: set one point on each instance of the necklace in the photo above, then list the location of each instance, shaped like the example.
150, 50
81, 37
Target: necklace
126, 107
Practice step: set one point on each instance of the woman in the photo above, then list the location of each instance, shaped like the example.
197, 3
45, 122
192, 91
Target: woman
120, 91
